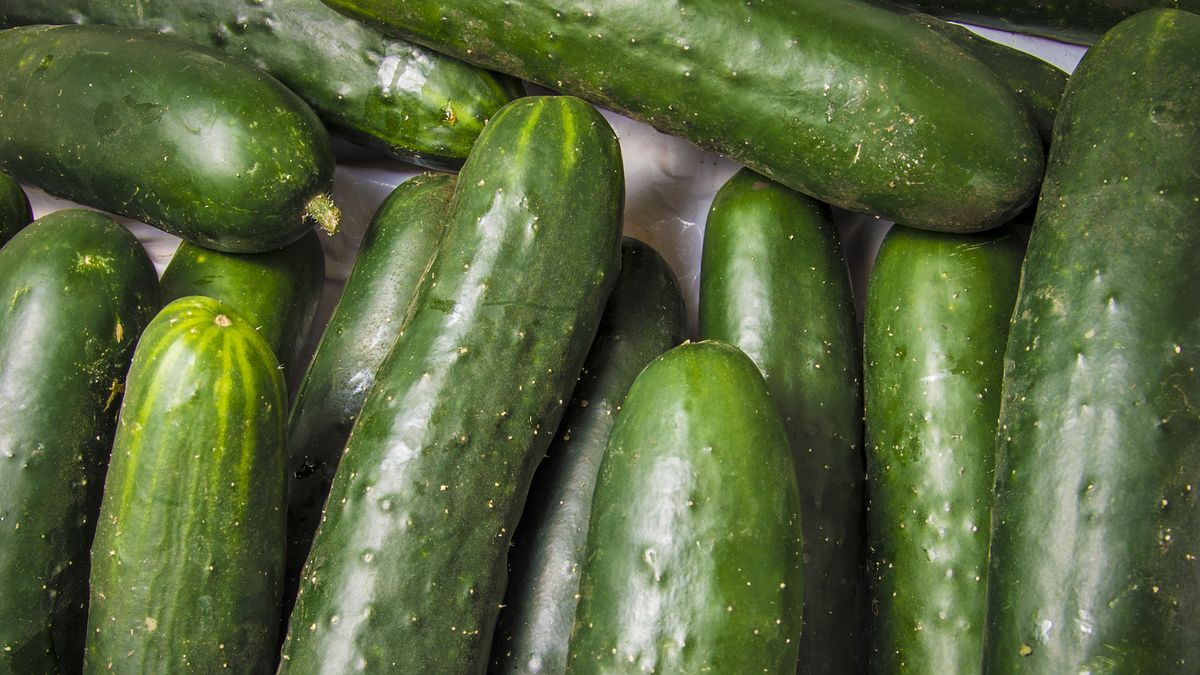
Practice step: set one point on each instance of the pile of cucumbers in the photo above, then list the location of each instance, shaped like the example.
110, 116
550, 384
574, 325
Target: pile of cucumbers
508, 452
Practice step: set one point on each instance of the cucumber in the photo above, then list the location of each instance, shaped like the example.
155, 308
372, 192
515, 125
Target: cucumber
14, 208
386, 93
276, 291
78, 289
188, 556
437, 468
850, 103
172, 134
775, 284
936, 323
694, 556
644, 318
396, 249
1096, 525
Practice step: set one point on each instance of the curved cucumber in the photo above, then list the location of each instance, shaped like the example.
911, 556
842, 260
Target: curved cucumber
694, 560
644, 317
438, 465
14, 208
172, 134
936, 323
386, 93
398, 247
188, 556
774, 283
853, 104
77, 291
276, 291
1096, 526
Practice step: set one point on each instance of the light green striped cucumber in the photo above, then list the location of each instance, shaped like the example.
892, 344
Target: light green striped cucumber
187, 564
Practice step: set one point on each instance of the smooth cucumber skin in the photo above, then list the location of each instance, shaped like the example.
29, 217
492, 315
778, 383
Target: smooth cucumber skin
644, 318
775, 284
78, 289
935, 329
276, 291
694, 557
395, 252
850, 103
389, 94
14, 208
178, 136
188, 556
1096, 527
437, 468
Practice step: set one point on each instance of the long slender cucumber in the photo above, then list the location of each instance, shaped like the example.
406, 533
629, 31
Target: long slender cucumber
14, 208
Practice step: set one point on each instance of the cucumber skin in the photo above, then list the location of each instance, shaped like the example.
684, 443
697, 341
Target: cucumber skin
101, 116
644, 318
847, 102
14, 208
396, 249
937, 315
188, 555
388, 94
775, 284
78, 291
276, 291
439, 462
698, 469
1095, 521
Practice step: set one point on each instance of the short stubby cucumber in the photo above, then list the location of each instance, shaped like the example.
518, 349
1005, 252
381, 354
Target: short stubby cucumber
407, 570
1096, 524
14, 208
853, 104
774, 283
694, 557
386, 93
179, 136
188, 558
644, 317
397, 248
276, 291
77, 289
936, 325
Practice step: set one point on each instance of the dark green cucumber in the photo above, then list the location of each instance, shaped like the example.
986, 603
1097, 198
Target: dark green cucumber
398, 247
1096, 526
853, 104
14, 208
276, 291
774, 283
386, 93
437, 468
694, 557
175, 135
936, 323
188, 557
644, 318
77, 291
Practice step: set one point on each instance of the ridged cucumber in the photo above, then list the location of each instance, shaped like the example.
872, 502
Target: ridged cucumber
14, 208
175, 135
396, 249
936, 323
386, 93
853, 104
77, 290
775, 284
694, 555
644, 317
276, 291
188, 557
1096, 526
438, 465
